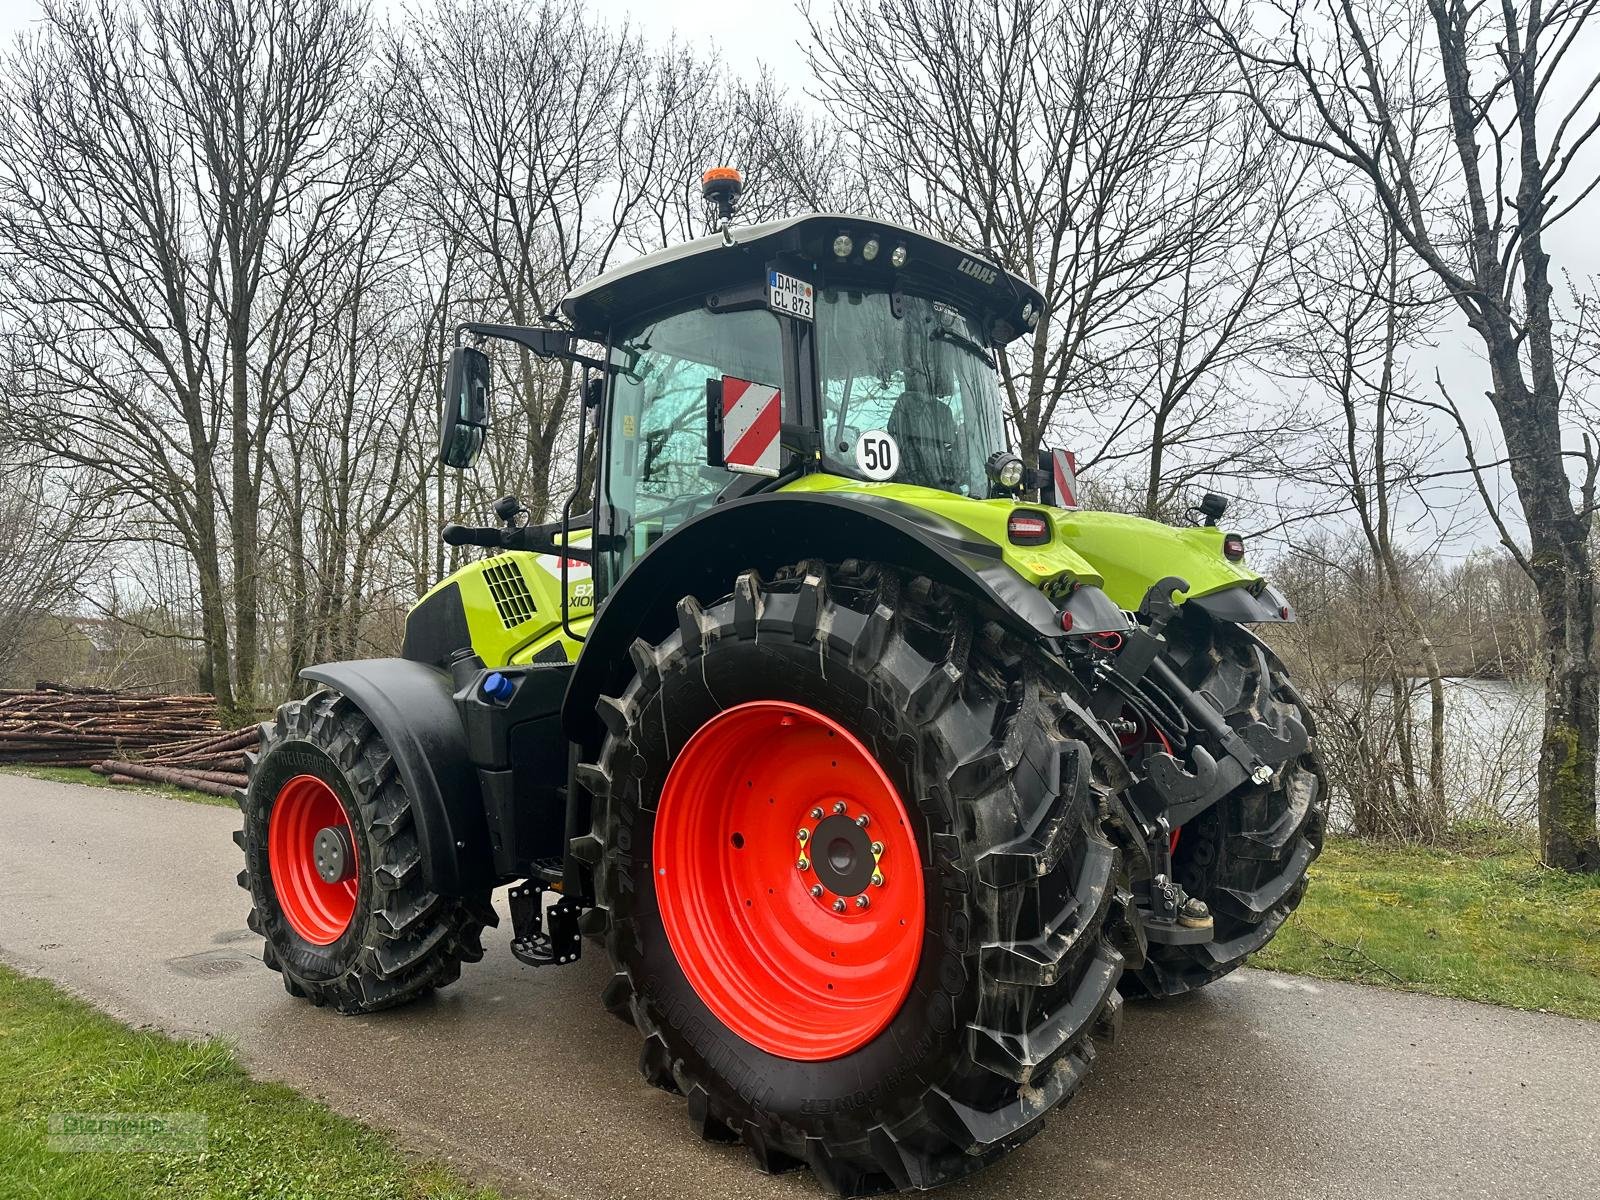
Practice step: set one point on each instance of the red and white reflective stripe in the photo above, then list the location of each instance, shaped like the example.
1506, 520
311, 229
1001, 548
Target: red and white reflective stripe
1064, 469
752, 419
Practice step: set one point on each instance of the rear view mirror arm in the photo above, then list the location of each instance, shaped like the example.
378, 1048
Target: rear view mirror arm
543, 340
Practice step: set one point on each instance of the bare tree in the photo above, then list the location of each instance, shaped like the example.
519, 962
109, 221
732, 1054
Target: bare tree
168, 170
547, 143
44, 554
528, 162
1498, 165
1359, 307
1094, 149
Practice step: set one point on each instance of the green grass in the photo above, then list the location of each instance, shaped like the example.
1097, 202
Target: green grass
60, 1056
87, 777
1489, 925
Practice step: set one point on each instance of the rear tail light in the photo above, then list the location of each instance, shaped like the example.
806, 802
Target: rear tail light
1028, 528
1233, 547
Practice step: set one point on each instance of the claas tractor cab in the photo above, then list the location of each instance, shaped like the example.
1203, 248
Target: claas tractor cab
877, 769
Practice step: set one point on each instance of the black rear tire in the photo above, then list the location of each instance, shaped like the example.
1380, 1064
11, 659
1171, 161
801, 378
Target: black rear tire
403, 939
1248, 855
1017, 975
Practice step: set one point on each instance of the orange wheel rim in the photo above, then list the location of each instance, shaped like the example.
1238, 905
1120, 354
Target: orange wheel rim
318, 910
789, 880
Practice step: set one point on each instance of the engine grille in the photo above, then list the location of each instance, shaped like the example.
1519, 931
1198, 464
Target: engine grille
512, 599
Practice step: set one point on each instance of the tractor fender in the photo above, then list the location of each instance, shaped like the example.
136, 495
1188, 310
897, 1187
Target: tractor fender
1245, 605
412, 707
764, 532
1132, 553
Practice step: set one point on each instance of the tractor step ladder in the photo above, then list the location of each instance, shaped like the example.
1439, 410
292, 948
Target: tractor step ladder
542, 939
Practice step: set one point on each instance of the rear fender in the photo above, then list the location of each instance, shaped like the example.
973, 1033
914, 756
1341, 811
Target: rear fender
702, 557
1242, 604
412, 707
1132, 554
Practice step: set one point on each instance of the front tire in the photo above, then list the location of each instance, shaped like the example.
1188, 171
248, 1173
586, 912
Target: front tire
877, 1065
1247, 856
377, 936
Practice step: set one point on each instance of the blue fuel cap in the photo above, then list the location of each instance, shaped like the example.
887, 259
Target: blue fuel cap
497, 688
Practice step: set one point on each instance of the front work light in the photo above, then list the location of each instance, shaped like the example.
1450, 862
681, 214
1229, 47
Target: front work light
842, 245
897, 257
869, 249
1005, 470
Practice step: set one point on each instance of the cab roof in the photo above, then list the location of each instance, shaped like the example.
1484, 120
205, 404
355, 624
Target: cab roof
805, 246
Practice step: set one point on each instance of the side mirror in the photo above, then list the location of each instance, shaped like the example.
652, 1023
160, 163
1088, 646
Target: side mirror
464, 416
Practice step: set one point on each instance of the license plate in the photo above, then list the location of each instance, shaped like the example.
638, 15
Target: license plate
786, 294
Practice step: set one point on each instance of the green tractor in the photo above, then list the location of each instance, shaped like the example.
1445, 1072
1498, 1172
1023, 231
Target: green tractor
878, 770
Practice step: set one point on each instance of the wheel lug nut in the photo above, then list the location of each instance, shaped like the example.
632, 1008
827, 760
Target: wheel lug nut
802, 864
816, 891
877, 879
816, 814
839, 807
863, 820
838, 905
863, 902
803, 835
877, 848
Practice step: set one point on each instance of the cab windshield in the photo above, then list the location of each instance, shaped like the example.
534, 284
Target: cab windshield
916, 369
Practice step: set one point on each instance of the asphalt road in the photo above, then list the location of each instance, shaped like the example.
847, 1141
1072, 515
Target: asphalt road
1263, 1086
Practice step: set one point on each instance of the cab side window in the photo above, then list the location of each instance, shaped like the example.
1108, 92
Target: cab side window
657, 476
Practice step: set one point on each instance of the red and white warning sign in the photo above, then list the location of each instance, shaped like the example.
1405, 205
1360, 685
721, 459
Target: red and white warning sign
1063, 468
752, 419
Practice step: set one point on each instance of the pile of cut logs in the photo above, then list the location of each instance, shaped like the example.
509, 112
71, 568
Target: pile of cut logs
76, 727
127, 737
212, 763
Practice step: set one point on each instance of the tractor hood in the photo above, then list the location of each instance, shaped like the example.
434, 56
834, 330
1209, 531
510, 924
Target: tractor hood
1123, 556
722, 269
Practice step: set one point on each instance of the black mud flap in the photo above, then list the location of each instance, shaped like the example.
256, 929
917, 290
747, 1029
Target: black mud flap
413, 709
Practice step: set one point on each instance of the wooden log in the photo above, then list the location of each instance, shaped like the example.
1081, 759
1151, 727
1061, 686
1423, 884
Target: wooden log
191, 779
72, 726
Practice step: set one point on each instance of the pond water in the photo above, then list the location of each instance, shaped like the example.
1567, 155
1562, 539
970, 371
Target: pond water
1491, 745
1492, 731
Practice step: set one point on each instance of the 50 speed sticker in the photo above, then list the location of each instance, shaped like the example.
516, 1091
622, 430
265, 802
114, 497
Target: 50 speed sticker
877, 455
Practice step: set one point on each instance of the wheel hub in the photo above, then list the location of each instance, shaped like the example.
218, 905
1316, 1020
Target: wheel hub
843, 857
312, 859
334, 853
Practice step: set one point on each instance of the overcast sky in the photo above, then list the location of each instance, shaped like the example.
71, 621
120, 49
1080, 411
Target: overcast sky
747, 33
